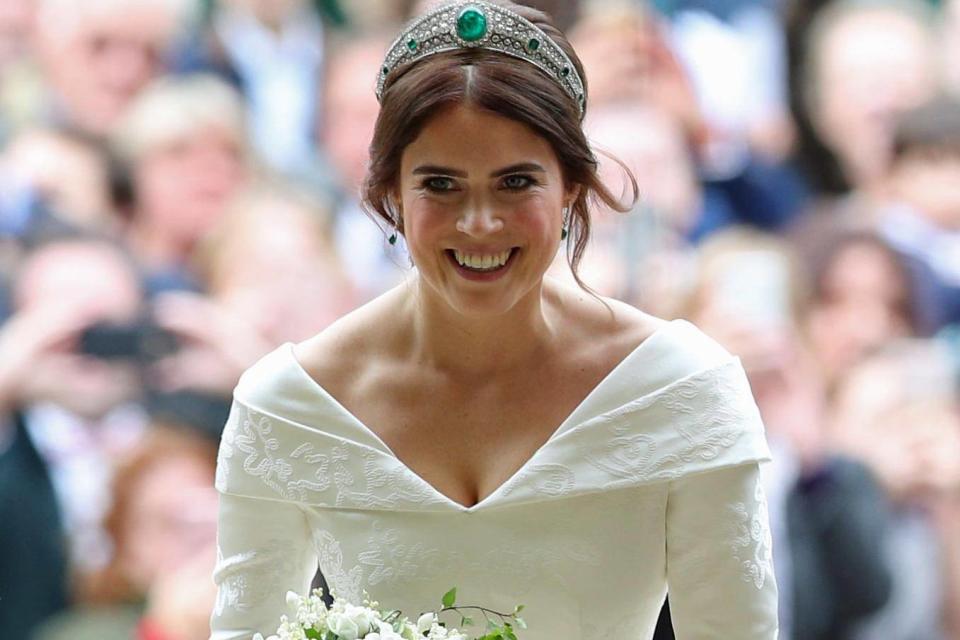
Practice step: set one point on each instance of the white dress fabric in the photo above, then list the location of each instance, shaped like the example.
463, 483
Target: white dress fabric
652, 483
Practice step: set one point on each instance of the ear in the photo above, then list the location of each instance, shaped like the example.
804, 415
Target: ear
571, 195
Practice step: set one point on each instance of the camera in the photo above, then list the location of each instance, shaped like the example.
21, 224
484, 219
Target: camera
142, 341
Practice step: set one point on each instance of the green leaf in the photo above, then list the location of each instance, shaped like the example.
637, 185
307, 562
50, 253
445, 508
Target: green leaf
450, 597
521, 623
518, 608
466, 621
313, 634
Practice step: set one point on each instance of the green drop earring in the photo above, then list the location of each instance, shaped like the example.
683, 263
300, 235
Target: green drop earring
396, 228
563, 230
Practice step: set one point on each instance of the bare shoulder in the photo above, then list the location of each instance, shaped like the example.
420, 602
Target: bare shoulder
606, 327
349, 347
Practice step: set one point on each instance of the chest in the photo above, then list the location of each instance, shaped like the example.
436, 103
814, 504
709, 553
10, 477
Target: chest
467, 440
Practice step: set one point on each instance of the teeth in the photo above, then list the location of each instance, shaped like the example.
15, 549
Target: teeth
476, 261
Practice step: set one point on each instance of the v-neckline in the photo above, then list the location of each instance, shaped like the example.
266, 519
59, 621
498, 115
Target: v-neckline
561, 428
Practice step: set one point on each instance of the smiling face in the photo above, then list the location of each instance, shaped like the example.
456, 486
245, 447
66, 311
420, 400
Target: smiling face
481, 198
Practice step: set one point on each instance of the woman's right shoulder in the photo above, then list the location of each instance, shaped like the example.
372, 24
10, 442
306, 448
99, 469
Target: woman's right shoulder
351, 344
340, 352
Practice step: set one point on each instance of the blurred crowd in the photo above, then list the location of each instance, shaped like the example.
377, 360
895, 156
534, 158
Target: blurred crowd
179, 188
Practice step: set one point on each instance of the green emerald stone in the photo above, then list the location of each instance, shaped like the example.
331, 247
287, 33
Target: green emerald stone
385, 70
412, 44
565, 71
471, 25
533, 44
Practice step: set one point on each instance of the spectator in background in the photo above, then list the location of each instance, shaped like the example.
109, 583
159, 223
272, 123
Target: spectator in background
631, 56
64, 173
350, 112
162, 526
274, 51
828, 515
865, 64
899, 412
643, 257
862, 296
97, 55
66, 414
272, 274
920, 214
184, 139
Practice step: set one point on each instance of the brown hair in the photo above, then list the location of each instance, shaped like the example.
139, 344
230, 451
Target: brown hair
931, 129
112, 584
503, 85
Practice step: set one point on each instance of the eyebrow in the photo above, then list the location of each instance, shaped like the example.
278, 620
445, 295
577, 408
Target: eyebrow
431, 169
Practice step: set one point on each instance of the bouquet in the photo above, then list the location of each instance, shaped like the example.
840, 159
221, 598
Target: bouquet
312, 620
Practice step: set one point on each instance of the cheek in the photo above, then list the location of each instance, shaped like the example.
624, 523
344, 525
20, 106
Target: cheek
538, 219
426, 221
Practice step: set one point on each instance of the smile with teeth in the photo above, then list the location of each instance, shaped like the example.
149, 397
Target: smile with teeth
482, 262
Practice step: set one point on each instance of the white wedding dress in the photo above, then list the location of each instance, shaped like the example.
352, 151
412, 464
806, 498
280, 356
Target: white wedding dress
651, 484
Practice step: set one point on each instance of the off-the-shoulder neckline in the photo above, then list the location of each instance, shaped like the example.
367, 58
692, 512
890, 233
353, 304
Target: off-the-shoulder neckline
644, 348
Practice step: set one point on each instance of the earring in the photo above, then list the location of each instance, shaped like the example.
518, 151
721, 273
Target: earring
563, 230
396, 227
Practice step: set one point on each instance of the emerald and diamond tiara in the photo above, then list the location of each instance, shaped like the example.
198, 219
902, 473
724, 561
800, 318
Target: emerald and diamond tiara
472, 24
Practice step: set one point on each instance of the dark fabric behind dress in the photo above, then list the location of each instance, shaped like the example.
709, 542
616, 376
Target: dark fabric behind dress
33, 554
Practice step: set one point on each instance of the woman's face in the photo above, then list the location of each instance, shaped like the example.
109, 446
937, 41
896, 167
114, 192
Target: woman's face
481, 198
861, 308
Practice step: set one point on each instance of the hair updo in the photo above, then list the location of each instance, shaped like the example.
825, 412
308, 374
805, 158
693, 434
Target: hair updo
503, 85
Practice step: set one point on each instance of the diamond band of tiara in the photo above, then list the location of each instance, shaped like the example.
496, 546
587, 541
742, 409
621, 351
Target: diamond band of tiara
465, 25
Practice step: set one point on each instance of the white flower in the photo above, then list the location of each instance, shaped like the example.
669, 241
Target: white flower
290, 630
312, 612
426, 621
385, 632
343, 627
351, 621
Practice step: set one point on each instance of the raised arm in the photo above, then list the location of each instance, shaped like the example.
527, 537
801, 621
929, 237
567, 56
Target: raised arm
719, 558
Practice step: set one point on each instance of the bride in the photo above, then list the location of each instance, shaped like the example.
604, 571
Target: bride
483, 425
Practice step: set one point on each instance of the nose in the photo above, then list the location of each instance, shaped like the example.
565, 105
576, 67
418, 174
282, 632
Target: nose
479, 220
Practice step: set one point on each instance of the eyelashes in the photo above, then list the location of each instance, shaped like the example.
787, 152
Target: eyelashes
516, 182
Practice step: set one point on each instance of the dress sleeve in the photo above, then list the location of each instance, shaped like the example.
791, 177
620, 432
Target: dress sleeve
719, 557
264, 549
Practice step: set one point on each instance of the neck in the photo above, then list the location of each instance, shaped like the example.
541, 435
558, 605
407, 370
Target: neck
469, 347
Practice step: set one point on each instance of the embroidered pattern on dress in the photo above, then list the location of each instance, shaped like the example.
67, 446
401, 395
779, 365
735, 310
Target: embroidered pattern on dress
714, 403
752, 541
548, 479
299, 472
393, 560
342, 583
248, 578
389, 558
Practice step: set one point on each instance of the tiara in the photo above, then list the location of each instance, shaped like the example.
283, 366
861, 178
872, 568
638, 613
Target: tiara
473, 24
